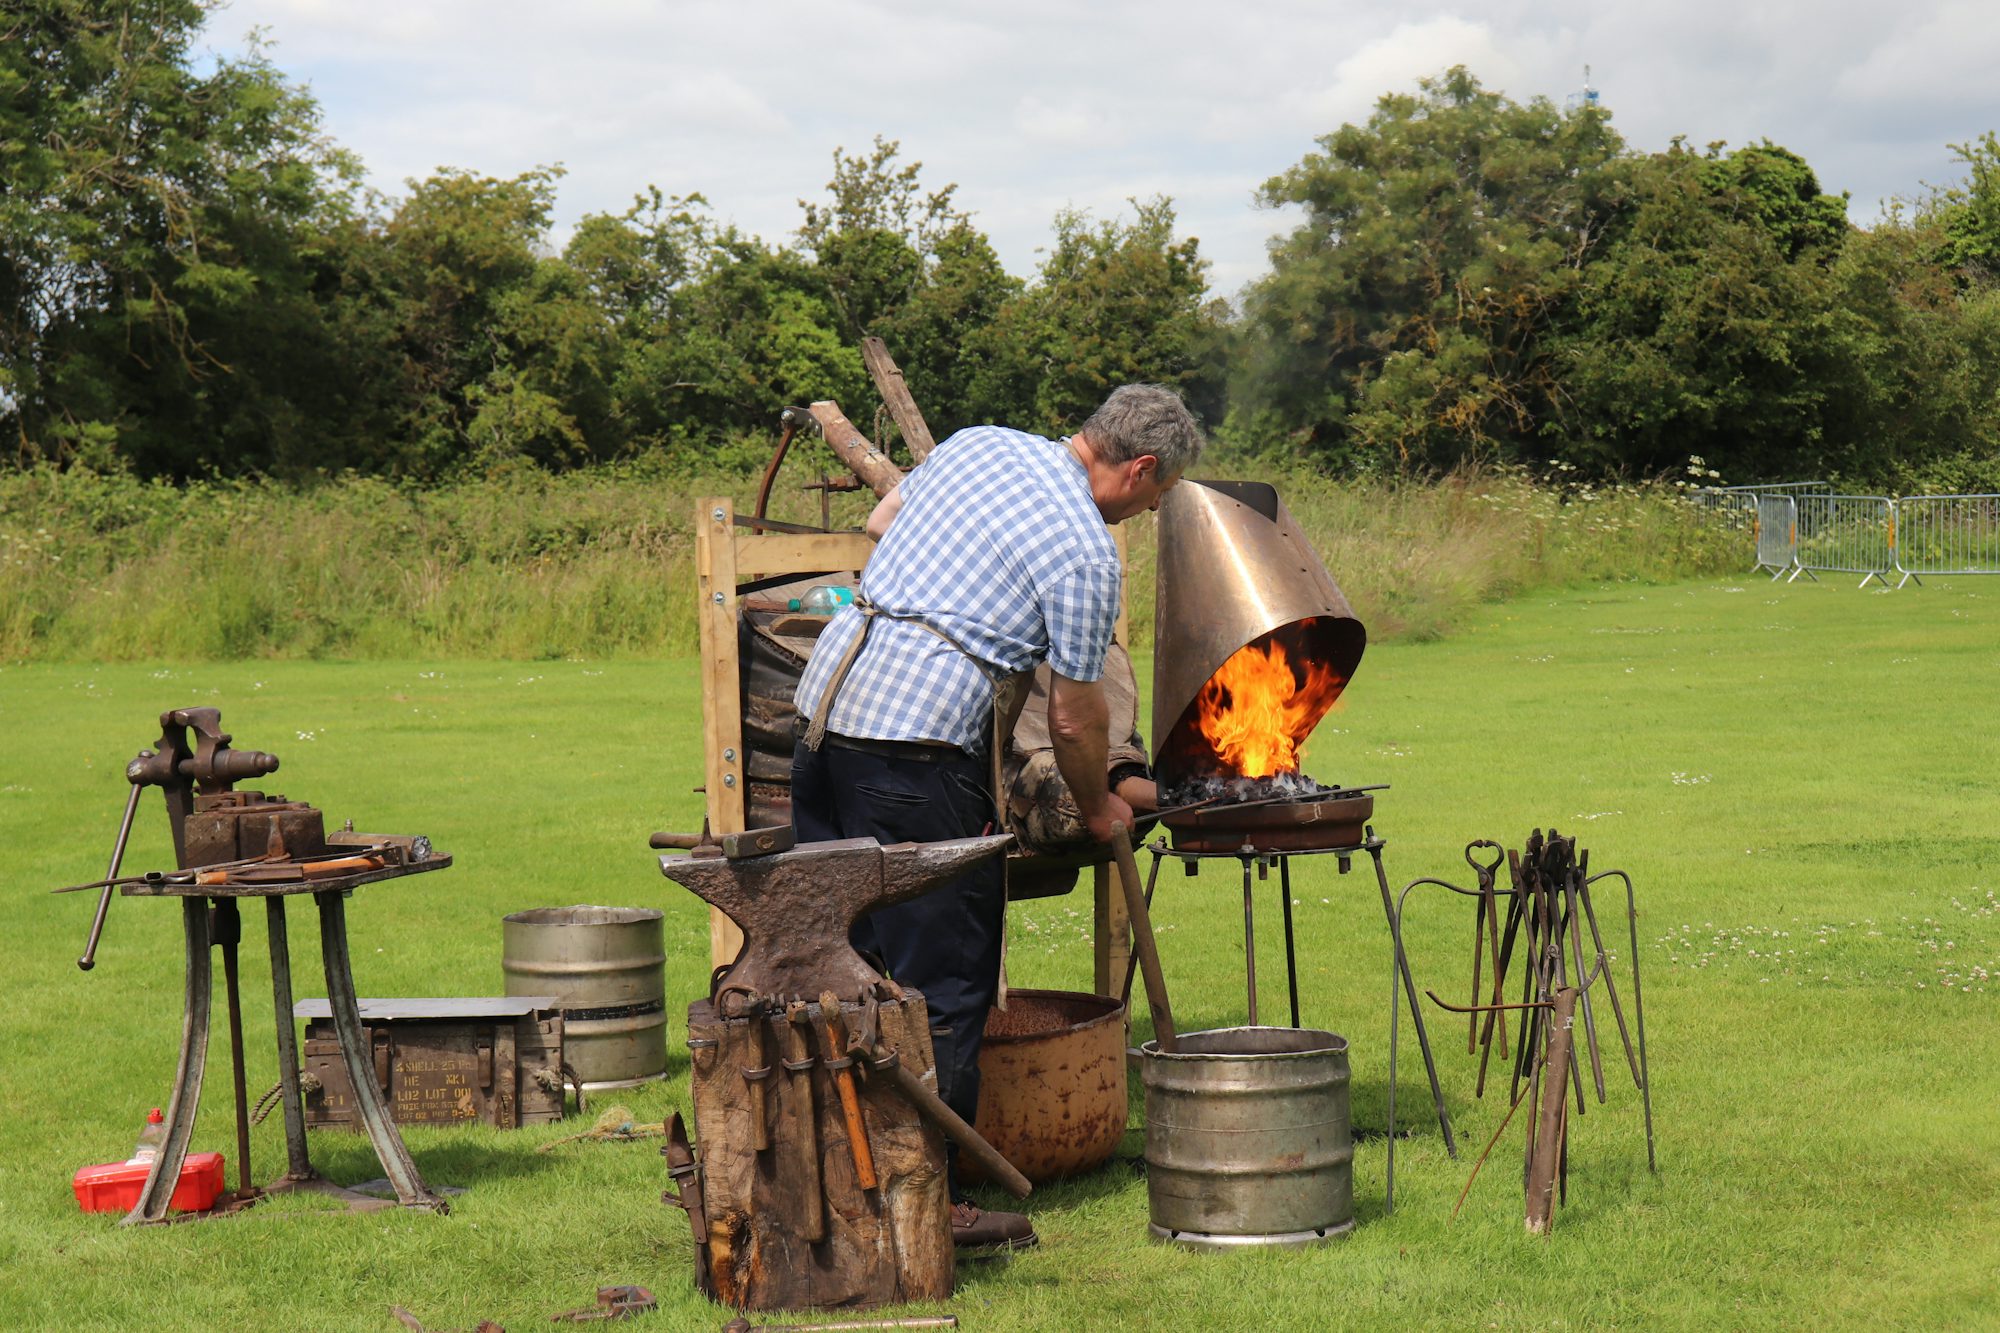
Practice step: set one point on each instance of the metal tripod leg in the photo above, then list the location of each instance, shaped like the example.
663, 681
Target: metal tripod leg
395, 1158
1410, 993
1291, 956
1249, 944
158, 1190
298, 1166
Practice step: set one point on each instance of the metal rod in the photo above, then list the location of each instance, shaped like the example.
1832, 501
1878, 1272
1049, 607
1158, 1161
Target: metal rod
298, 1166
1291, 957
1610, 985
1639, 1016
1570, 882
1410, 994
1249, 944
185, 1102
228, 932
89, 958
411, 1191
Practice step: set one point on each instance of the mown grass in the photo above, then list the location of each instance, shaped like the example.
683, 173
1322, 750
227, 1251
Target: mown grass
526, 565
1798, 778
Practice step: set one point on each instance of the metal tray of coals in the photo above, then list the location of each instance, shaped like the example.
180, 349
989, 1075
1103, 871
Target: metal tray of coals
1311, 823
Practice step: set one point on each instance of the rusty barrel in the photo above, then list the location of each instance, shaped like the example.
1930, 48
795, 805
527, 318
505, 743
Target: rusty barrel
1052, 1082
606, 966
1247, 1138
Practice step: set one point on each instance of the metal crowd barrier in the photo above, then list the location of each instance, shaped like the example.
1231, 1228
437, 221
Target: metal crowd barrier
1777, 533
1947, 534
1845, 534
1801, 529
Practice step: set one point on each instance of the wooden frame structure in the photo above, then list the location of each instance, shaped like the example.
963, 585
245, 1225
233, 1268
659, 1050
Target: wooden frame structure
726, 556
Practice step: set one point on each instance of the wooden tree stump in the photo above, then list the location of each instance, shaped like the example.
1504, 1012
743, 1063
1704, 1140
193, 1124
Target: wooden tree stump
790, 1227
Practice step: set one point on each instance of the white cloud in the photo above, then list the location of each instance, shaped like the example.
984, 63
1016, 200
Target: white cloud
1032, 104
1395, 61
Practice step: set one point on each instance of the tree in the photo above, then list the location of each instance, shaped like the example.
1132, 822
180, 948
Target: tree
908, 267
1401, 322
1970, 214
164, 234
1113, 303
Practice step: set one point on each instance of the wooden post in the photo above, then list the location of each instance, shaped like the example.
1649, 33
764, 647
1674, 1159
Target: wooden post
896, 397
725, 771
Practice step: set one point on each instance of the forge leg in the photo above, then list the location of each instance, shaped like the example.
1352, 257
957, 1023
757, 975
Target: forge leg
186, 1099
298, 1166
1291, 956
229, 934
395, 1158
1249, 944
1410, 994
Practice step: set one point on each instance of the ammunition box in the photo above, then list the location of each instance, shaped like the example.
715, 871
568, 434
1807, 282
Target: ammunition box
495, 1061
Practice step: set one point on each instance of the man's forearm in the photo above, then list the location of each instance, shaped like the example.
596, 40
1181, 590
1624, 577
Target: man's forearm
1079, 723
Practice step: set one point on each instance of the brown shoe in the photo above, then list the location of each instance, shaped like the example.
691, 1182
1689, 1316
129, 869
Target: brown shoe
973, 1228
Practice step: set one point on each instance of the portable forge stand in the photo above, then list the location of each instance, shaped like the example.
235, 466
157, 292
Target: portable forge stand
232, 845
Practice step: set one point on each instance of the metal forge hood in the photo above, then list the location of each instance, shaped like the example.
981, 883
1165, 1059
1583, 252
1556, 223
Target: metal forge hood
1235, 570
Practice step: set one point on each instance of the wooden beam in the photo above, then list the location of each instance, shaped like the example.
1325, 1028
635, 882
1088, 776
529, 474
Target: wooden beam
896, 395
724, 768
802, 553
855, 449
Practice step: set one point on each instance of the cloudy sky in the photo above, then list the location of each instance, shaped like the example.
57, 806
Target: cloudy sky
1032, 106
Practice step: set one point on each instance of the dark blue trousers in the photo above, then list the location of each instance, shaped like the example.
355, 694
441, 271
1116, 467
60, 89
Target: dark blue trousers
946, 943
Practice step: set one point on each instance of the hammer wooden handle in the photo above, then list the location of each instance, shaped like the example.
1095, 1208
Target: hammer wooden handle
850, 1100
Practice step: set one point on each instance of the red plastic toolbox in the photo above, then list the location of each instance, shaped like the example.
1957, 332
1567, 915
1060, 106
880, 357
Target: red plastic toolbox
114, 1187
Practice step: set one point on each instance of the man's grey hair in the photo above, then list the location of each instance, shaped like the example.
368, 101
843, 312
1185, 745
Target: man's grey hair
1145, 419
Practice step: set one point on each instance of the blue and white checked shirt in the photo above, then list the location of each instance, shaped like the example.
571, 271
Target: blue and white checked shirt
998, 544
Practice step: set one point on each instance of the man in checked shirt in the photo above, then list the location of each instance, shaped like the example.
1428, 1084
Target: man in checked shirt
999, 558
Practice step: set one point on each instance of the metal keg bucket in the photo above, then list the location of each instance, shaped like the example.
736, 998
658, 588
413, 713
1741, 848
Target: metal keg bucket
1247, 1138
607, 968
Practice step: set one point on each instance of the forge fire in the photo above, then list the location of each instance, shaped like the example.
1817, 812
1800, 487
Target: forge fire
1250, 721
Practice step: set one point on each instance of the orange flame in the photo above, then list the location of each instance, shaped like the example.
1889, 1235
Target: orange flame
1258, 709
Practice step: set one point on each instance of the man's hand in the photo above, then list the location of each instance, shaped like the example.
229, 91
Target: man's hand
1113, 811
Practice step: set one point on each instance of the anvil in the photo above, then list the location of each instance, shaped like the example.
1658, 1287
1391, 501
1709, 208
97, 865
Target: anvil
795, 908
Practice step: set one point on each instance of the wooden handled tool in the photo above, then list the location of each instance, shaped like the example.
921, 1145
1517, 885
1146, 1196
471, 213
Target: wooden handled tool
841, 1063
759, 1079
798, 1024
1142, 940
928, 1104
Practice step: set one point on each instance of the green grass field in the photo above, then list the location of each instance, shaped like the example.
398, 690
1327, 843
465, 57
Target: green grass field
1801, 780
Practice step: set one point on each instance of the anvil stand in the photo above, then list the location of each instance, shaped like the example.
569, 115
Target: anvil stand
329, 895
1250, 856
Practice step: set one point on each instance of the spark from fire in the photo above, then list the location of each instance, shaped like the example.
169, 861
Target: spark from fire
1258, 709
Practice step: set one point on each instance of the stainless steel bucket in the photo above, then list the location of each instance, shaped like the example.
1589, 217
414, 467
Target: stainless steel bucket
1247, 1138
607, 968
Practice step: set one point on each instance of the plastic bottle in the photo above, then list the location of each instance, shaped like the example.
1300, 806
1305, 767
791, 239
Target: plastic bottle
824, 599
151, 1139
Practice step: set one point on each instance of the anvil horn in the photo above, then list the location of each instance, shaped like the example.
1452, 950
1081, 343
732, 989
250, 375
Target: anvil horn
796, 907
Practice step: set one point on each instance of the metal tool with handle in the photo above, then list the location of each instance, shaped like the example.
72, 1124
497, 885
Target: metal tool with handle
1142, 940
